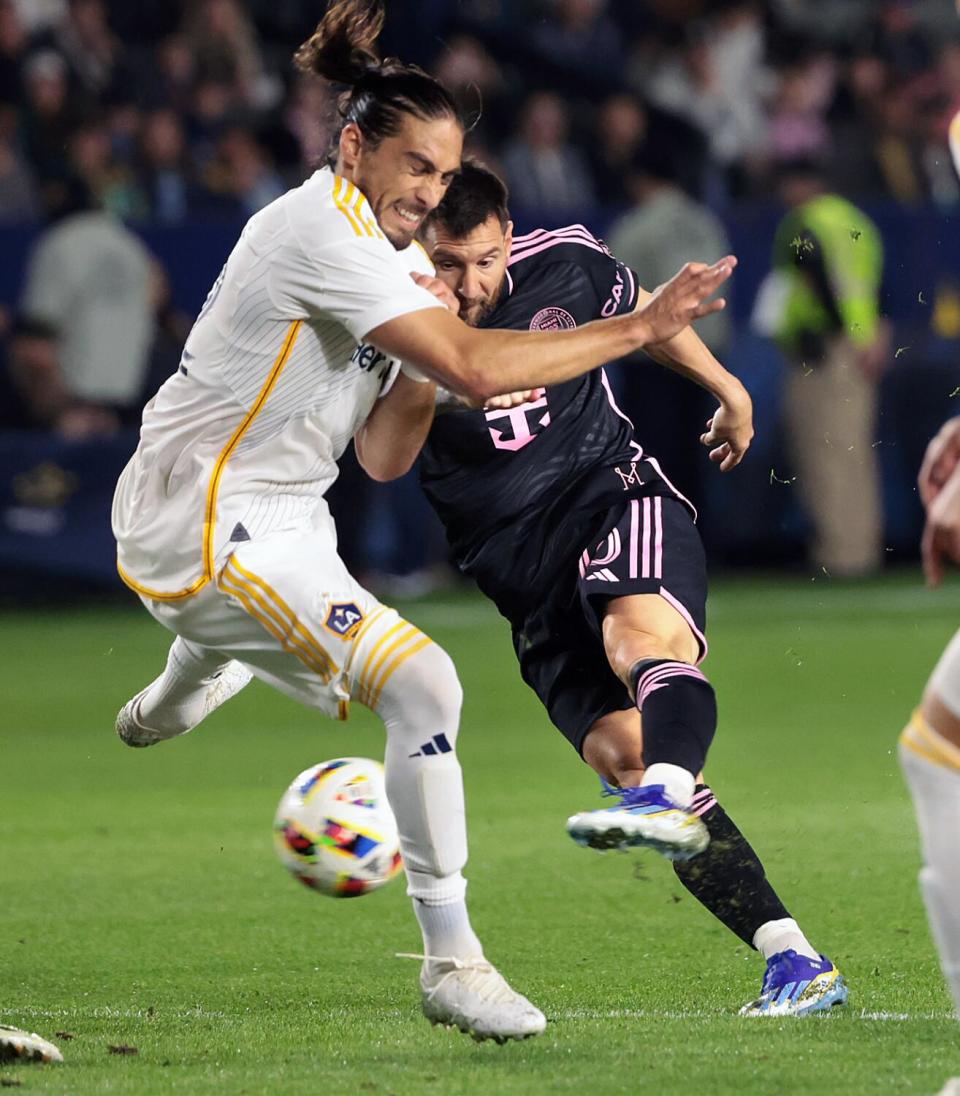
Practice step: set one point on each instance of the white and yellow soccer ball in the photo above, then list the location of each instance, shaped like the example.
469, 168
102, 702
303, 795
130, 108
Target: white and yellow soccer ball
334, 829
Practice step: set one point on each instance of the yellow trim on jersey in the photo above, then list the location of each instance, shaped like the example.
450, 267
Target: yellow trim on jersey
919, 737
159, 595
352, 204
294, 636
210, 508
416, 243
340, 201
395, 665
210, 518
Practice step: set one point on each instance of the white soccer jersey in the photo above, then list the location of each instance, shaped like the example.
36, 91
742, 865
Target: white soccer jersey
274, 381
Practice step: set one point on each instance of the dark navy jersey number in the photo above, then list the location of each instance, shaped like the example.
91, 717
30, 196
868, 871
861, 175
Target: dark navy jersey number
516, 489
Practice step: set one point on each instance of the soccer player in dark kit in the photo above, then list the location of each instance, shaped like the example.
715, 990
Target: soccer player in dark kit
589, 551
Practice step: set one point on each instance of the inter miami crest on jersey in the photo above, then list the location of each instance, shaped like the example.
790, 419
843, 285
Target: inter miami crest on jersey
519, 489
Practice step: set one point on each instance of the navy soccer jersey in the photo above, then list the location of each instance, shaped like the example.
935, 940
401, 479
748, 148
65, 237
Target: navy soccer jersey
522, 492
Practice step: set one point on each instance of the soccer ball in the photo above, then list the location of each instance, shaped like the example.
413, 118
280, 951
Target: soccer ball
334, 829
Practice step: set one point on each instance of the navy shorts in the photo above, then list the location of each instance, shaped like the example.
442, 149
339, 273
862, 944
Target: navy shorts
647, 546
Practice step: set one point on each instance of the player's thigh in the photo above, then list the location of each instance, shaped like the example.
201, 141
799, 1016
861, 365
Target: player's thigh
941, 699
287, 608
643, 587
645, 626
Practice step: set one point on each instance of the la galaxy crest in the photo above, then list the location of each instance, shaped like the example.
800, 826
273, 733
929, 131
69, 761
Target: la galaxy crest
343, 619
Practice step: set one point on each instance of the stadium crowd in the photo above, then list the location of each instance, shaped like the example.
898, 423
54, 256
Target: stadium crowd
173, 109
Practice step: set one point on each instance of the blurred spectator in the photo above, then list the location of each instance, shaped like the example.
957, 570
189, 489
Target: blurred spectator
225, 52
48, 116
581, 43
479, 86
13, 52
242, 171
824, 311
166, 193
547, 175
80, 354
717, 83
92, 51
798, 124
17, 202
110, 183
621, 129
665, 229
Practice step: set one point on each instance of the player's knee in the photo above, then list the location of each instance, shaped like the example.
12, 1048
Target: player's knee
424, 693
627, 645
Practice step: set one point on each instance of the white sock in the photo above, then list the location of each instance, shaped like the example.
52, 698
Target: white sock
447, 932
676, 781
931, 766
175, 701
781, 935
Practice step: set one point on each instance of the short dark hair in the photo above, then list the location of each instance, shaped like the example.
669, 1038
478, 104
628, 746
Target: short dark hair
378, 93
475, 194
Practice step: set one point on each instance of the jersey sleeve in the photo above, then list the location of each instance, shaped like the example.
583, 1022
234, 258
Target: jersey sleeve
615, 284
362, 283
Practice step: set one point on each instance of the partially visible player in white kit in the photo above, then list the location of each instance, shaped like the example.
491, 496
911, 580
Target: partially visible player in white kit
220, 518
930, 743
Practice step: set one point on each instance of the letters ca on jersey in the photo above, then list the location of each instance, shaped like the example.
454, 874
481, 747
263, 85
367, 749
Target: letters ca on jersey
276, 377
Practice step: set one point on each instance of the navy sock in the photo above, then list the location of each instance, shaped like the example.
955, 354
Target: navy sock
727, 878
679, 711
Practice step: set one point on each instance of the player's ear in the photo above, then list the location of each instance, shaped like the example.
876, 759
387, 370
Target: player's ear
508, 231
351, 145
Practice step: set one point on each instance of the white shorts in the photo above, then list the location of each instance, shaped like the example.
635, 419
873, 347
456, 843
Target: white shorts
945, 679
287, 608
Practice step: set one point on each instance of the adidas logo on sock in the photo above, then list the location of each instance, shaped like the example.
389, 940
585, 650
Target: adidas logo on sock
437, 744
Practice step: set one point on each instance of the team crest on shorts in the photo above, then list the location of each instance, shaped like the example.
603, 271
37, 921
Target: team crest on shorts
343, 619
552, 319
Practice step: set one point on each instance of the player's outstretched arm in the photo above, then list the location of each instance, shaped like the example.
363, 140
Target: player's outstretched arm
480, 364
730, 430
940, 460
940, 544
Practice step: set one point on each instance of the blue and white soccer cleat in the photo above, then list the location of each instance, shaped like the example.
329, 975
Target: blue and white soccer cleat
644, 818
794, 985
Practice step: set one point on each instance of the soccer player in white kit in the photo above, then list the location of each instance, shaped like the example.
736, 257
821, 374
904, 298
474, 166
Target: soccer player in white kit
930, 743
220, 518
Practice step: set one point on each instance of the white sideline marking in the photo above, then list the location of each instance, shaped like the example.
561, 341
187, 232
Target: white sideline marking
105, 1012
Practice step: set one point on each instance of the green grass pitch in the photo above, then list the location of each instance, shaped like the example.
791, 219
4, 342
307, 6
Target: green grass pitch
141, 904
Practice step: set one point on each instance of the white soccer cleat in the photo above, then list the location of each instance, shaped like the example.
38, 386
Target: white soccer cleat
25, 1046
473, 996
219, 688
646, 817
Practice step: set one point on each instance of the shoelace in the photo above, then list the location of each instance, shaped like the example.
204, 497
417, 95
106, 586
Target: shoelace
631, 797
480, 976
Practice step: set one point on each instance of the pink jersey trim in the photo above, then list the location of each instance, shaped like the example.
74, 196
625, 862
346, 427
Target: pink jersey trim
634, 535
555, 242
645, 549
658, 537
685, 613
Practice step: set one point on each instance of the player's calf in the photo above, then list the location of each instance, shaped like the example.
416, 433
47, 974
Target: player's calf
419, 702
